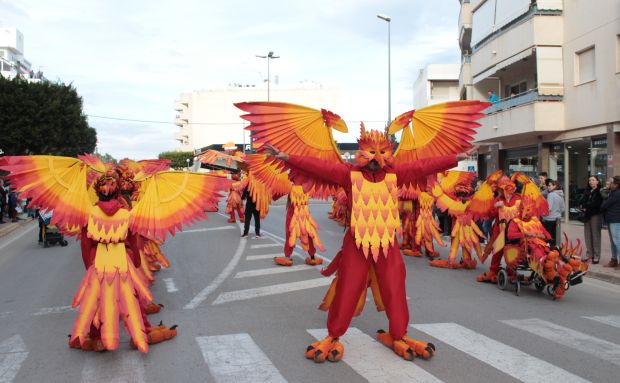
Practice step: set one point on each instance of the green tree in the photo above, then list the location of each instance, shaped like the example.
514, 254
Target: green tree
179, 159
43, 118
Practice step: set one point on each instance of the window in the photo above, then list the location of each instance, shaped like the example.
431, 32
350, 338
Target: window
584, 66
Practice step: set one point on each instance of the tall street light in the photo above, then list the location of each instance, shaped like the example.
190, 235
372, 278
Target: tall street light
269, 57
388, 19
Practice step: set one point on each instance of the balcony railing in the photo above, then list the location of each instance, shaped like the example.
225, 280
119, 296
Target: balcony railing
520, 99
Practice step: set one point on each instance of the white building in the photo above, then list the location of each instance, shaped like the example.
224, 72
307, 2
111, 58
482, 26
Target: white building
436, 83
12, 61
208, 117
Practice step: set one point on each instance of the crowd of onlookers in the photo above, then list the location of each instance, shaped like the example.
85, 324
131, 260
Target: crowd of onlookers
11, 206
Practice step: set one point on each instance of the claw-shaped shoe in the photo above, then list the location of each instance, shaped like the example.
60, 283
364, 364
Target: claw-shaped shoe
444, 263
328, 348
432, 254
412, 252
89, 344
468, 264
283, 261
313, 261
487, 277
152, 308
421, 349
400, 347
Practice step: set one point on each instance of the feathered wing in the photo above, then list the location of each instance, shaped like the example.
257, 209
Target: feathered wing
146, 168
438, 130
297, 130
481, 203
449, 179
53, 183
271, 172
172, 199
211, 156
260, 194
530, 190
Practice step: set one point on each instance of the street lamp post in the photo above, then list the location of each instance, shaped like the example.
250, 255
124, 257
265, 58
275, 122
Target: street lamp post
388, 19
269, 57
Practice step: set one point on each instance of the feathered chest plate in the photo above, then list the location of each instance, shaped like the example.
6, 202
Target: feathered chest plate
374, 213
533, 226
108, 228
297, 196
510, 212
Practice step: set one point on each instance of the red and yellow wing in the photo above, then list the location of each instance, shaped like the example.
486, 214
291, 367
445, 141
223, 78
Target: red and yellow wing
211, 156
53, 183
297, 130
145, 168
438, 130
530, 190
482, 201
271, 172
172, 199
449, 179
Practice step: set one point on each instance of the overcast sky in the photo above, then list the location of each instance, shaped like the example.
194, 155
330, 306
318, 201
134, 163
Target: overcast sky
131, 59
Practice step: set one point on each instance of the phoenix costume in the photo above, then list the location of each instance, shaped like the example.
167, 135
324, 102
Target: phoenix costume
370, 251
112, 286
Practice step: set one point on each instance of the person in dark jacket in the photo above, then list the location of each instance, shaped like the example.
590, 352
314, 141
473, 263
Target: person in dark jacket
592, 218
250, 211
3, 200
611, 210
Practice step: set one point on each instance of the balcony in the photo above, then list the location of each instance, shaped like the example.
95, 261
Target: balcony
180, 121
180, 105
525, 114
465, 18
465, 73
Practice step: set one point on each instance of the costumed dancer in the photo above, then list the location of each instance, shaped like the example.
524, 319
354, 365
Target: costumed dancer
233, 202
427, 227
453, 195
409, 212
112, 286
370, 253
339, 208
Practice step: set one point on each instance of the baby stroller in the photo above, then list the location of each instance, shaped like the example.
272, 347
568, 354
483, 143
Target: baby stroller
522, 269
49, 234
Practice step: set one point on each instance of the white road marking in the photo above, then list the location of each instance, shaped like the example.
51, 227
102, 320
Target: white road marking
611, 320
18, 236
282, 241
272, 270
5, 314
198, 299
115, 367
236, 358
506, 359
264, 245
264, 256
207, 229
282, 288
13, 353
374, 361
54, 310
170, 286
576, 340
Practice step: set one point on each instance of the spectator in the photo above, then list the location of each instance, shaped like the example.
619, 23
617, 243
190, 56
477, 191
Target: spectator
12, 206
592, 221
3, 200
250, 211
542, 182
605, 191
551, 222
611, 209
492, 96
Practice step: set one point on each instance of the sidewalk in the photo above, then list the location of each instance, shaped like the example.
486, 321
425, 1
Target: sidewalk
574, 230
8, 227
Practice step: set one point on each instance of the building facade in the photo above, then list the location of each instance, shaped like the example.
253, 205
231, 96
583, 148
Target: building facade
206, 117
12, 60
555, 66
436, 83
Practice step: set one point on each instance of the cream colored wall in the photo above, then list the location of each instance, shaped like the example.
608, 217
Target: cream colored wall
549, 70
596, 102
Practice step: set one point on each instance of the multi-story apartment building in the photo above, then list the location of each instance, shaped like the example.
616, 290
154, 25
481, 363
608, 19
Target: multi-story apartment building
209, 117
555, 65
12, 61
436, 83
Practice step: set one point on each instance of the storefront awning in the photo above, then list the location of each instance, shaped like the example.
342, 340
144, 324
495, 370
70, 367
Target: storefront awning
509, 61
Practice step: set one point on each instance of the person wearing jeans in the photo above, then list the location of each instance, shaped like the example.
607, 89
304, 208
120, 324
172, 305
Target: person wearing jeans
611, 210
592, 218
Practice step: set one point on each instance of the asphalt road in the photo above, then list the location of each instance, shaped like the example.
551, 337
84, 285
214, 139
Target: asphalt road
241, 318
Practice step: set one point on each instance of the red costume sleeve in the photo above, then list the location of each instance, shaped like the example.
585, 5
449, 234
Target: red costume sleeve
412, 171
334, 172
134, 245
513, 231
88, 251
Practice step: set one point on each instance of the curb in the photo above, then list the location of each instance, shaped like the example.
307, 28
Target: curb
615, 279
11, 227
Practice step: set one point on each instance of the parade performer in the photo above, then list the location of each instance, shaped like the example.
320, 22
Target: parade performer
233, 202
427, 228
112, 285
453, 194
301, 138
339, 207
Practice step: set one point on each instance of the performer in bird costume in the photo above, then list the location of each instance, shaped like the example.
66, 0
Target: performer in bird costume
112, 286
409, 212
339, 208
453, 195
427, 228
301, 138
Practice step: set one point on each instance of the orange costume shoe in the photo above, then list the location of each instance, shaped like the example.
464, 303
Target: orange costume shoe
327, 349
314, 261
152, 308
489, 277
88, 344
283, 261
407, 347
412, 252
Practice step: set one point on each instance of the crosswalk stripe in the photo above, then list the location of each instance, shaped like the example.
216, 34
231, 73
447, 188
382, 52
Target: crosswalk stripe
262, 256
54, 310
508, 360
612, 320
264, 245
282, 288
13, 353
118, 366
374, 361
576, 340
236, 358
207, 229
272, 270
170, 285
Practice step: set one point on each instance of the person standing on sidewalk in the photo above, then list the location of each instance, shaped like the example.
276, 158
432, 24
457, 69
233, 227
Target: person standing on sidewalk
551, 222
3, 200
592, 218
611, 209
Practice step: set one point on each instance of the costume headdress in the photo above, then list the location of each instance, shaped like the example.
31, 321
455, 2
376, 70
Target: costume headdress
374, 145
